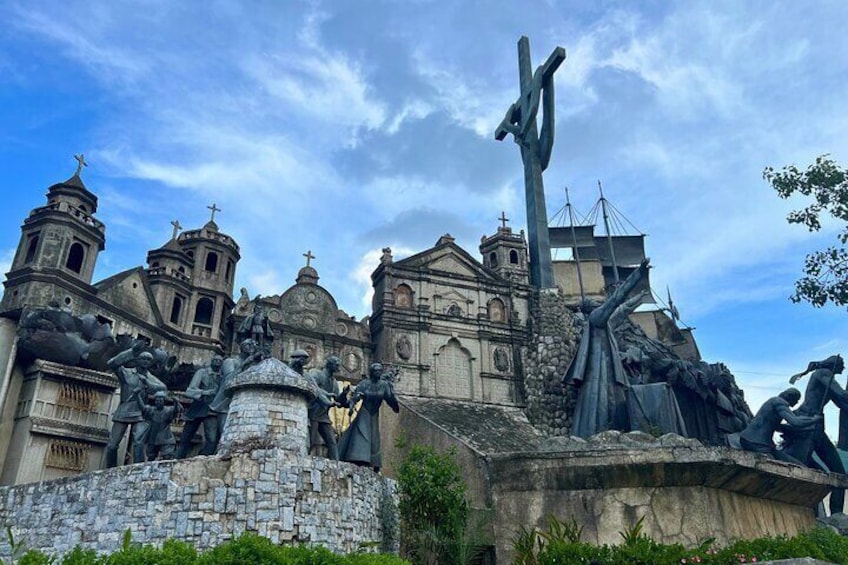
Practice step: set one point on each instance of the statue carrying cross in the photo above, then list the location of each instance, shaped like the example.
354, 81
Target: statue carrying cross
520, 121
309, 256
214, 209
80, 163
177, 228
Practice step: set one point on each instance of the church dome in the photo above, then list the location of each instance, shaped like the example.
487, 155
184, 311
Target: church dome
307, 275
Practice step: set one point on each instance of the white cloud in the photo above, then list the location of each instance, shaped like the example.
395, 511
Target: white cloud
6, 258
367, 263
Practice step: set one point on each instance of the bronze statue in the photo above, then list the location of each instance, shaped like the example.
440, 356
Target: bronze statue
132, 368
319, 416
160, 438
249, 354
298, 360
821, 389
597, 370
360, 443
202, 390
758, 435
256, 326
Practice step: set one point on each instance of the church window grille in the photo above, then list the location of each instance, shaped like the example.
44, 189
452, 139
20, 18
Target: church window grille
203, 311
32, 247
176, 309
493, 259
76, 256
67, 455
513, 257
211, 262
79, 397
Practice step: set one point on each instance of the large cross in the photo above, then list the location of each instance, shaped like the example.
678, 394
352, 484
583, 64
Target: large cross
520, 121
309, 256
214, 209
80, 163
177, 228
503, 219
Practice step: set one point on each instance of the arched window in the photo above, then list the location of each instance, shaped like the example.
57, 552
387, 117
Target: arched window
190, 254
493, 259
31, 249
229, 273
211, 262
403, 296
203, 311
154, 265
497, 310
513, 257
176, 308
76, 255
181, 269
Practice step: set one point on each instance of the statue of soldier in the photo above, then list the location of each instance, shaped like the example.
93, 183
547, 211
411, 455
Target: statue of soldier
160, 438
319, 416
249, 354
202, 390
256, 326
132, 369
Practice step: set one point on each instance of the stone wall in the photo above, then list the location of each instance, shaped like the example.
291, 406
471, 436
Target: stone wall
205, 501
553, 343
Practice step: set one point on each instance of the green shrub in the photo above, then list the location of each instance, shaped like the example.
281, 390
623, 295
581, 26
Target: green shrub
560, 544
247, 549
434, 510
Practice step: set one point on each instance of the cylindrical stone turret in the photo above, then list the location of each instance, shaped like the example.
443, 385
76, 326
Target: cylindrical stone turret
268, 410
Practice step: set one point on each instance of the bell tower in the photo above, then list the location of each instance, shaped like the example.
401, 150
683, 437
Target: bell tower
61, 238
506, 253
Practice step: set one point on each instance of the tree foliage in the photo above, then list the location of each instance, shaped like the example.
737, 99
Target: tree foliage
825, 272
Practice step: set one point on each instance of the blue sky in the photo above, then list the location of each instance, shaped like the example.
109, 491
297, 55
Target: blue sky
344, 127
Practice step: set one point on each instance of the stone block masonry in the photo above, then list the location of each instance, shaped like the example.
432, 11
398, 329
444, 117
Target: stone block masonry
553, 343
263, 481
204, 501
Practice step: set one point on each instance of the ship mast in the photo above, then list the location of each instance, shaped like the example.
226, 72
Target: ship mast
609, 235
574, 240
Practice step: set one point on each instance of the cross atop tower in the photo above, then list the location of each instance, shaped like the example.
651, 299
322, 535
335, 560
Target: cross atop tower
503, 219
80, 163
214, 209
309, 256
177, 228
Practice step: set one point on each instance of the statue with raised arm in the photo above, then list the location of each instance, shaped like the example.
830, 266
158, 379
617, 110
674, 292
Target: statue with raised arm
596, 368
132, 369
759, 433
821, 389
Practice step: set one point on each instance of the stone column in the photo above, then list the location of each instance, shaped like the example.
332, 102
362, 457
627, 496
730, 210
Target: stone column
268, 410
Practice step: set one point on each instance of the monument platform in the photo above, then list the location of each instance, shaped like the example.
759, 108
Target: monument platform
685, 491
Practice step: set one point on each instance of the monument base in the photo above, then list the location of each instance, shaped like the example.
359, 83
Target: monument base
205, 501
685, 492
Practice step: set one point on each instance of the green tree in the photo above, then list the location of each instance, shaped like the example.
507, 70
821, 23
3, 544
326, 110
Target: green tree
433, 508
825, 272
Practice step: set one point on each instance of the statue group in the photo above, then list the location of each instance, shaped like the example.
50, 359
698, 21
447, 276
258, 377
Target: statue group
145, 411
